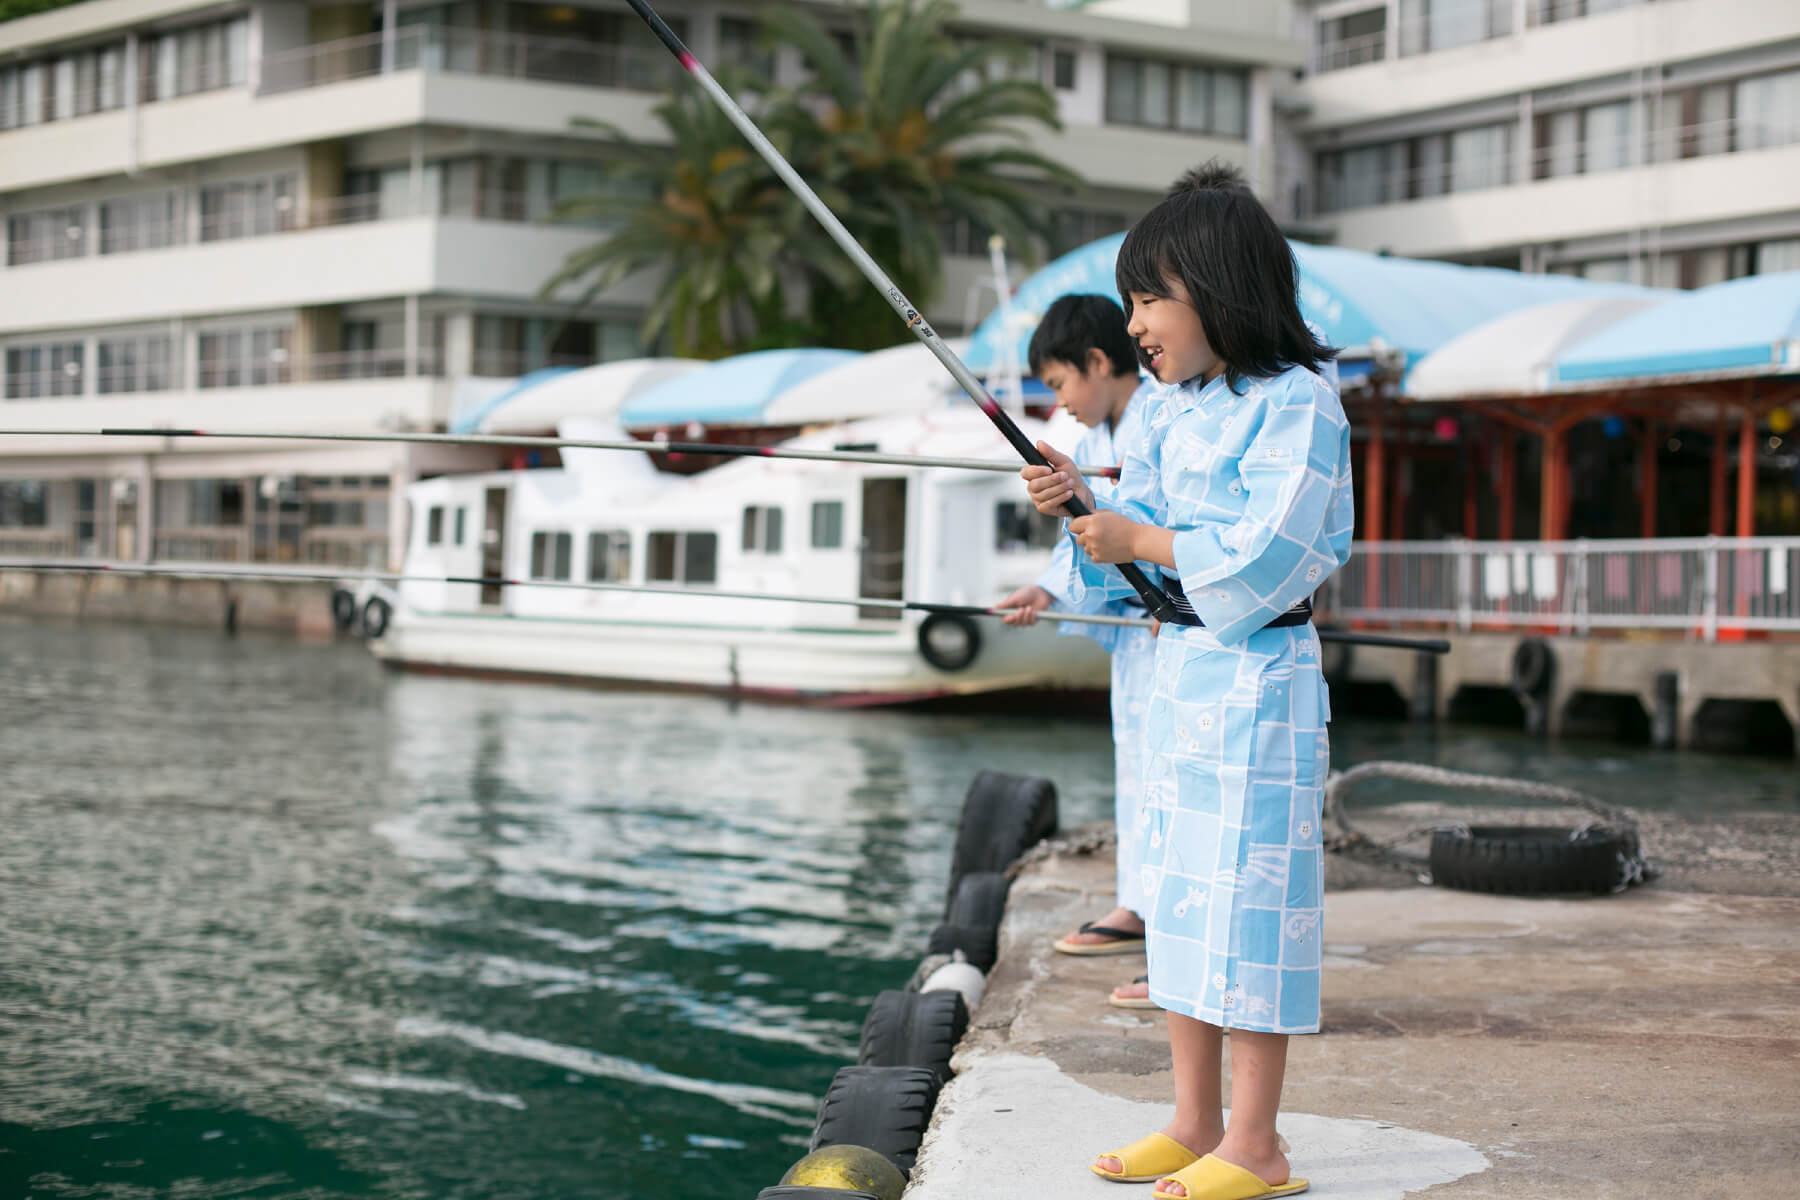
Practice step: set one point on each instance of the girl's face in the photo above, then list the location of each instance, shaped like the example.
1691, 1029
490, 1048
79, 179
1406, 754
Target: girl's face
1169, 333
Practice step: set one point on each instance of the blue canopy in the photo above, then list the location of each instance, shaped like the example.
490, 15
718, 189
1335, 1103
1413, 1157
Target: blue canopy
470, 422
1744, 327
732, 391
1359, 300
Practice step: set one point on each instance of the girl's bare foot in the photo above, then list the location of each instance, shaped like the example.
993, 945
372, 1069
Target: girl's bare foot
1265, 1160
1132, 991
1198, 1141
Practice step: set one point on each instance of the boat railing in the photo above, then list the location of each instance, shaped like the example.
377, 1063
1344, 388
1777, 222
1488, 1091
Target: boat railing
1698, 586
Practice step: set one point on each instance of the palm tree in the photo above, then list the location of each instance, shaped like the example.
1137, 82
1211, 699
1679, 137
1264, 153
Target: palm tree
707, 215
897, 133
909, 128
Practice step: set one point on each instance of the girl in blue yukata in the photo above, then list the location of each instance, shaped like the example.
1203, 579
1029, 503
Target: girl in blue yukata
1238, 497
1083, 354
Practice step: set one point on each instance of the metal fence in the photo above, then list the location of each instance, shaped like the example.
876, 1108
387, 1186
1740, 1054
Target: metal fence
1697, 585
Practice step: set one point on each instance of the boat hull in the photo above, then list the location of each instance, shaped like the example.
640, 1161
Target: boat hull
865, 665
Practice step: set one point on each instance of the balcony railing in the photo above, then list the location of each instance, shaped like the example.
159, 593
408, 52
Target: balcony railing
472, 52
1698, 586
277, 367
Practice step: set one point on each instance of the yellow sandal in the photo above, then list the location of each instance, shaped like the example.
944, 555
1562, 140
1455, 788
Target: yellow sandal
1212, 1178
1146, 1160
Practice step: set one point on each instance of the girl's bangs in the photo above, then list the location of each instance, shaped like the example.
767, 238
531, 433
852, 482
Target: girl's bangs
1145, 261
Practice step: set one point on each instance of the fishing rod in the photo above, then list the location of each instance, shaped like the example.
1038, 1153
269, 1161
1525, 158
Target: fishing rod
532, 442
1158, 604
228, 574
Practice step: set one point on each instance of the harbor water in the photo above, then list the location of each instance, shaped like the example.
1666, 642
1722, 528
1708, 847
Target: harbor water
277, 923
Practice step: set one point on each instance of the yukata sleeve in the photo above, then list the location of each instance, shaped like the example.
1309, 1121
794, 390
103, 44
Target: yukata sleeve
1139, 497
1295, 529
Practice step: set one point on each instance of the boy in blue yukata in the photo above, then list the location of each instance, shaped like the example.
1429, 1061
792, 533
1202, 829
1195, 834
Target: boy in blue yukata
1083, 354
1238, 497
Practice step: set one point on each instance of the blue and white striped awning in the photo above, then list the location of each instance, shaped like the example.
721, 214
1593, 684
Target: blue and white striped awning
1741, 329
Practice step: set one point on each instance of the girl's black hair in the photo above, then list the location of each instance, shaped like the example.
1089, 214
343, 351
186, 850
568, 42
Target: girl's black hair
1212, 234
1076, 324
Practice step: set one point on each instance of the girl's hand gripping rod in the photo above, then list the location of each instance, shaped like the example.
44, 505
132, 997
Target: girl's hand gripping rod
1154, 600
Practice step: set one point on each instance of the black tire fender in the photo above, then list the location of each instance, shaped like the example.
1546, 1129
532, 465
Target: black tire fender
980, 944
1518, 860
980, 900
913, 1029
375, 617
1533, 667
1002, 817
949, 641
343, 609
883, 1108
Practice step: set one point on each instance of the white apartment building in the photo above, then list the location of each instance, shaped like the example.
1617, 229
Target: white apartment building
278, 215
1655, 141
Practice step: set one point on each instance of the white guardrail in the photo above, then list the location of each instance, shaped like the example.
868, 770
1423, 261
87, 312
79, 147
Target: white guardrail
1700, 585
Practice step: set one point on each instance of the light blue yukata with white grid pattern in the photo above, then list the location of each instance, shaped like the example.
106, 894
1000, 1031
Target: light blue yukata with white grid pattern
1133, 653
1257, 487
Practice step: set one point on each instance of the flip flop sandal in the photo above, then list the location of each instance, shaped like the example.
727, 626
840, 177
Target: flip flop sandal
1212, 1178
1146, 1160
1118, 942
1117, 1001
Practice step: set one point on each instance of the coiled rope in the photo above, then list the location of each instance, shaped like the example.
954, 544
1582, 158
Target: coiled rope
1351, 841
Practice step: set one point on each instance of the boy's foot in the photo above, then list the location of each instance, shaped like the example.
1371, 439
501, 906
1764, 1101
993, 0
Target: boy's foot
1120, 931
1135, 994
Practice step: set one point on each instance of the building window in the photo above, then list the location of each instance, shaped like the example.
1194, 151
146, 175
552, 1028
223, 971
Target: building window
1018, 526
1170, 96
1062, 70
762, 530
45, 369
682, 557
1548, 12
1073, 227
434, 526
248, 207
146, 222
609, 556
1351, 40
827, 524
24, 504
1768, 110
462, 522
1416, 169
134, 364
245, 357
1427, 25
46, 235
55, 89
739, 47
200, 58
550, 555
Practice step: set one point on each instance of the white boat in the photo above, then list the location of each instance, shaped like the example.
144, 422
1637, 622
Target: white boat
797, 528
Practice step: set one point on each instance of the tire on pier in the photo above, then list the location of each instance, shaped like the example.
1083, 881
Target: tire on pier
1519, 860
913, 1029
883, 1108
972, 922
1002, 817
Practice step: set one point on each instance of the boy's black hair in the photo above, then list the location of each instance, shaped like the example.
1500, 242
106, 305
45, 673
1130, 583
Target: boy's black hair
1075, 325
1212, 233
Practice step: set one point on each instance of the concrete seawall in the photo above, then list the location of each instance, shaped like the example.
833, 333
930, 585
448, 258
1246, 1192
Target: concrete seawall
300, 608
1614, 1047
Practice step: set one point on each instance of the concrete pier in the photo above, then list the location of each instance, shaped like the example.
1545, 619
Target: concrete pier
1613, 1048
1704, 672
301, 607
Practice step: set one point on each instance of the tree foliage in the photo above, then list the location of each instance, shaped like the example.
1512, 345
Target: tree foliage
897, 133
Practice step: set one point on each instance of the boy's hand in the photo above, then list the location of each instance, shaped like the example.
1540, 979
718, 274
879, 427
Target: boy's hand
1050, 487
1026, 604
1107, 537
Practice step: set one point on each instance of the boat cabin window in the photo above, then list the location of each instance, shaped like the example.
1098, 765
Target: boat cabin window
828, 524
682, 557
1018, 526
434, 526
550, 554
609, 556
762, 529
462, 520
